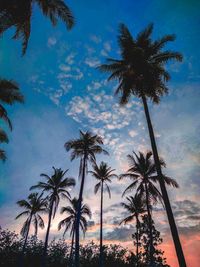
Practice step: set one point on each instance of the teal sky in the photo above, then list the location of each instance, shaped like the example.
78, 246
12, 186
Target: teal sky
65, 93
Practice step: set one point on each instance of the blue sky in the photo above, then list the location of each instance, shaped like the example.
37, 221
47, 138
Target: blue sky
65, 93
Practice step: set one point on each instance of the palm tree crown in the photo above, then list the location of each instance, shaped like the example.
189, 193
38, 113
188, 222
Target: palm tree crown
134, 207
9, 94
85, 147
69, 222
33, 206
140, 70
103, 174
143, 172
18, 13
56, 186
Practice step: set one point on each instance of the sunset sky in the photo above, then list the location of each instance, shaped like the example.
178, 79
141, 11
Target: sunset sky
65, 93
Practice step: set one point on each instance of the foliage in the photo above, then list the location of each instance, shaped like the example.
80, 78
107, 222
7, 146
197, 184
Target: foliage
18, 13
145, 243
58, 253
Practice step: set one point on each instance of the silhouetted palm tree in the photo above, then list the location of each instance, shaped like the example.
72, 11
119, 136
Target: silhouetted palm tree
70, 221
103, 174
135, 207
84, 148
141, 72
3, 139
18, 13
9, 94
33, 207
55, 186
143, 172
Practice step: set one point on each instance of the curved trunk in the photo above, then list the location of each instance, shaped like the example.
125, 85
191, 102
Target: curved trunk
24, 246
150, 227
170, 215
101, 229
47, 237
71, 252
79, 215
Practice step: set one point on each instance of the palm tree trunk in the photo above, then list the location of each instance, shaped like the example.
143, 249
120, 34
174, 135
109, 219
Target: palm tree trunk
150, 227
24, 246
137, 240
79, 215
174, 231
71, 252
101, 229
47, 237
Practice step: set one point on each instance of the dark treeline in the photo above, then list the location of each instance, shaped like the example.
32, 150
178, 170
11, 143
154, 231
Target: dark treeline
58, 253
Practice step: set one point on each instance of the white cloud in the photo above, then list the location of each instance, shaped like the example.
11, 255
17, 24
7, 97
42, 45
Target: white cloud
103, 53
92, 62
107, 46
51, 41
96, 39
69, 58
133, 133
64, 67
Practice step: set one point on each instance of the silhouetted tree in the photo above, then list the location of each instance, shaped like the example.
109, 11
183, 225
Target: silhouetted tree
18, 13
33, 207
103, 174
84, 148
143, 173
70, 221
56, 187
135, 207
141, 72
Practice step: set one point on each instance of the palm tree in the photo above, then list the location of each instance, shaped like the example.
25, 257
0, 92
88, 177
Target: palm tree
70, 221
56, 186
135, 207
103, 174
84, 148
18, 13
3, 139
9, 94
33, 207
143, 172
141, 72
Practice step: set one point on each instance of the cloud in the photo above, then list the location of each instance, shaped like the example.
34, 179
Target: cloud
107, 46
96, 39
51, 41
92, 61
64, 67
69, 58
133, 133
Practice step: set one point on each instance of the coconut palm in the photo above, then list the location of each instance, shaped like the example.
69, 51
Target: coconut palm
103, 174
84, 148
18, 13
35, 205
9, 94
3, 139
141, 72
70, 221
143, 173
56, 187
134, 207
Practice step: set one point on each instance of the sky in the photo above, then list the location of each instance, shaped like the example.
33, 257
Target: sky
65, 93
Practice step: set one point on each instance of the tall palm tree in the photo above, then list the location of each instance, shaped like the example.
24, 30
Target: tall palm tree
35, 205
143, 173
18, 13
141, 72
103, 174
9, 94
135, 207
3, 139
56, 187
70, 221
84, 148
